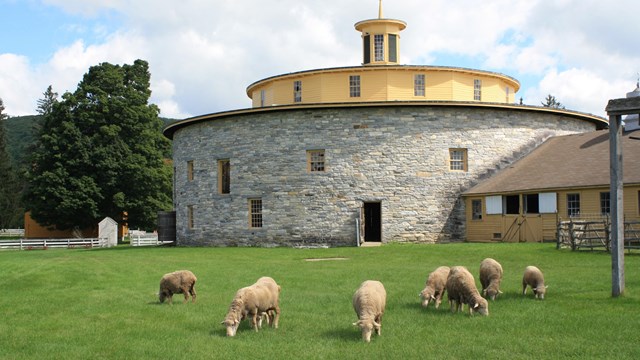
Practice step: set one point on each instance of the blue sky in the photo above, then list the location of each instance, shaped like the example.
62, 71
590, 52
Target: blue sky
204, 53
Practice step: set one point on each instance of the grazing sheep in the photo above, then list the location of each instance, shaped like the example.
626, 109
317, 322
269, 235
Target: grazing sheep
461, 289
534, 278
435, 286
256, 302
178, 282
490, 278
369, 302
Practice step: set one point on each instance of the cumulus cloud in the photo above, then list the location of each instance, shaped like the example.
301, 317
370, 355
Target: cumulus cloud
203, 54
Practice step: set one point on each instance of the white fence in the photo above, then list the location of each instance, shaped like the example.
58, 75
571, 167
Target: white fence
29, 244
11, 233
146, 239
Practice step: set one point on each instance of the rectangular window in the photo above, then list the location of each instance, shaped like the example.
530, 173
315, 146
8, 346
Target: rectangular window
573, 205
297, 91
354, 86
255, 213
393, 48
190, 170
531, 204
477, 89
476, 209
507, 91
190, 222
224, 176
458, 159
605, 203
494, 204
262, 96
512, 204
315, 160
378, 47
367, 49
418, 85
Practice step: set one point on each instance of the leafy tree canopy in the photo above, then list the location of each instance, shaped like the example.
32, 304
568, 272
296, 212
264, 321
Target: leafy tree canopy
10, 210
100, 153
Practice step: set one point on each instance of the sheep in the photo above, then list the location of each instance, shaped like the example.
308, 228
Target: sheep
178, 282
490, 278
461, 289
256, 302
435, 286
369, 302
533, 277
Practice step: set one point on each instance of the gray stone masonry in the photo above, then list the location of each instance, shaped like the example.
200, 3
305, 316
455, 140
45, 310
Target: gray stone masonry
396, 155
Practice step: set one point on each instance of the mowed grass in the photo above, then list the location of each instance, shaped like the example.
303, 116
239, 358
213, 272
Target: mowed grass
81, 304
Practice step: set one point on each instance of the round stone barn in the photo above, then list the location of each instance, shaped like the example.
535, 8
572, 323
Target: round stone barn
353, 155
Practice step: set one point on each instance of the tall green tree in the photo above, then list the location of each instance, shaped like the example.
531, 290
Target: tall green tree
10, 211
552, 102
100, 153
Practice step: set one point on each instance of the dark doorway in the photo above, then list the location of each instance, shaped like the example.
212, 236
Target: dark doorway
372, 222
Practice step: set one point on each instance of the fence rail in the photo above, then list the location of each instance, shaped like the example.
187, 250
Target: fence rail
596, 234
146, 240
28, 244
11, 233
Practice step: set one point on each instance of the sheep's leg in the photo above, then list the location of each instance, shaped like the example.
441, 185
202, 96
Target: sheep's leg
185, 291
254, 320
378, 319
192, 291
524, 288
274, 323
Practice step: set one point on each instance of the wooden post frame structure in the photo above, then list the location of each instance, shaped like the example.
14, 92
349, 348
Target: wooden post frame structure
615, 109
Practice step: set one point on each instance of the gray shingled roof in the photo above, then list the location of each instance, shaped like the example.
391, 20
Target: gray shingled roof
571, 161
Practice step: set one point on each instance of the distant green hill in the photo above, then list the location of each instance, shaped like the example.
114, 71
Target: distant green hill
20, 133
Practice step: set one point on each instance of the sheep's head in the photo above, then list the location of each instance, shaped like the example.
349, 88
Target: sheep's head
427, 296
491, 293
161, 296
367, 327
231, 325
540, 290
481, 307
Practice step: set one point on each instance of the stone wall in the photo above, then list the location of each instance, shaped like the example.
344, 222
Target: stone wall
395, 155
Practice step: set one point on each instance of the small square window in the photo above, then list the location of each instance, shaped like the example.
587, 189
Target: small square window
605, 203
458, 159
573, 205
315, 160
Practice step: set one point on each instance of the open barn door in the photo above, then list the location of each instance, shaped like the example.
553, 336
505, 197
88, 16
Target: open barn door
372, 221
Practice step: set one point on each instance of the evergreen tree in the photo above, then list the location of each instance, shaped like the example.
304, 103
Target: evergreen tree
552, 102
10, 211
100, 153
45, 105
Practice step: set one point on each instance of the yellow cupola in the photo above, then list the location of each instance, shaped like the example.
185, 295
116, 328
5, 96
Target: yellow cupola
380, 39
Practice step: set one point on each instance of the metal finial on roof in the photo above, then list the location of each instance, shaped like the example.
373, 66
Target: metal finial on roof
380, 11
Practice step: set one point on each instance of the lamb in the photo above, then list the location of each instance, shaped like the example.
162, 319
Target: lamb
490, 278
369, 302
533, 277
435, 286
256, 302
461, 289
178, 282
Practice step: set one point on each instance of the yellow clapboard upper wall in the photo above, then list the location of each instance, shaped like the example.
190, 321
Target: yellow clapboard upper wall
382, 78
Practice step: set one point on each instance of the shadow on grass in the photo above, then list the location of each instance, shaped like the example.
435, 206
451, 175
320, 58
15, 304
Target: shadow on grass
351, 334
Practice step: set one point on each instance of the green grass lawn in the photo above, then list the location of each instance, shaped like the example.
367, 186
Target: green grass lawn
89, 304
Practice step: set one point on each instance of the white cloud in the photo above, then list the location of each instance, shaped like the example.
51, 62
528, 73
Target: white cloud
203, 54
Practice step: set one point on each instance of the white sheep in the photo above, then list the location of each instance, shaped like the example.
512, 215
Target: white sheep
490, 278
435, 286
256, 302
178, 282
533, 277
369, 302
461, 289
